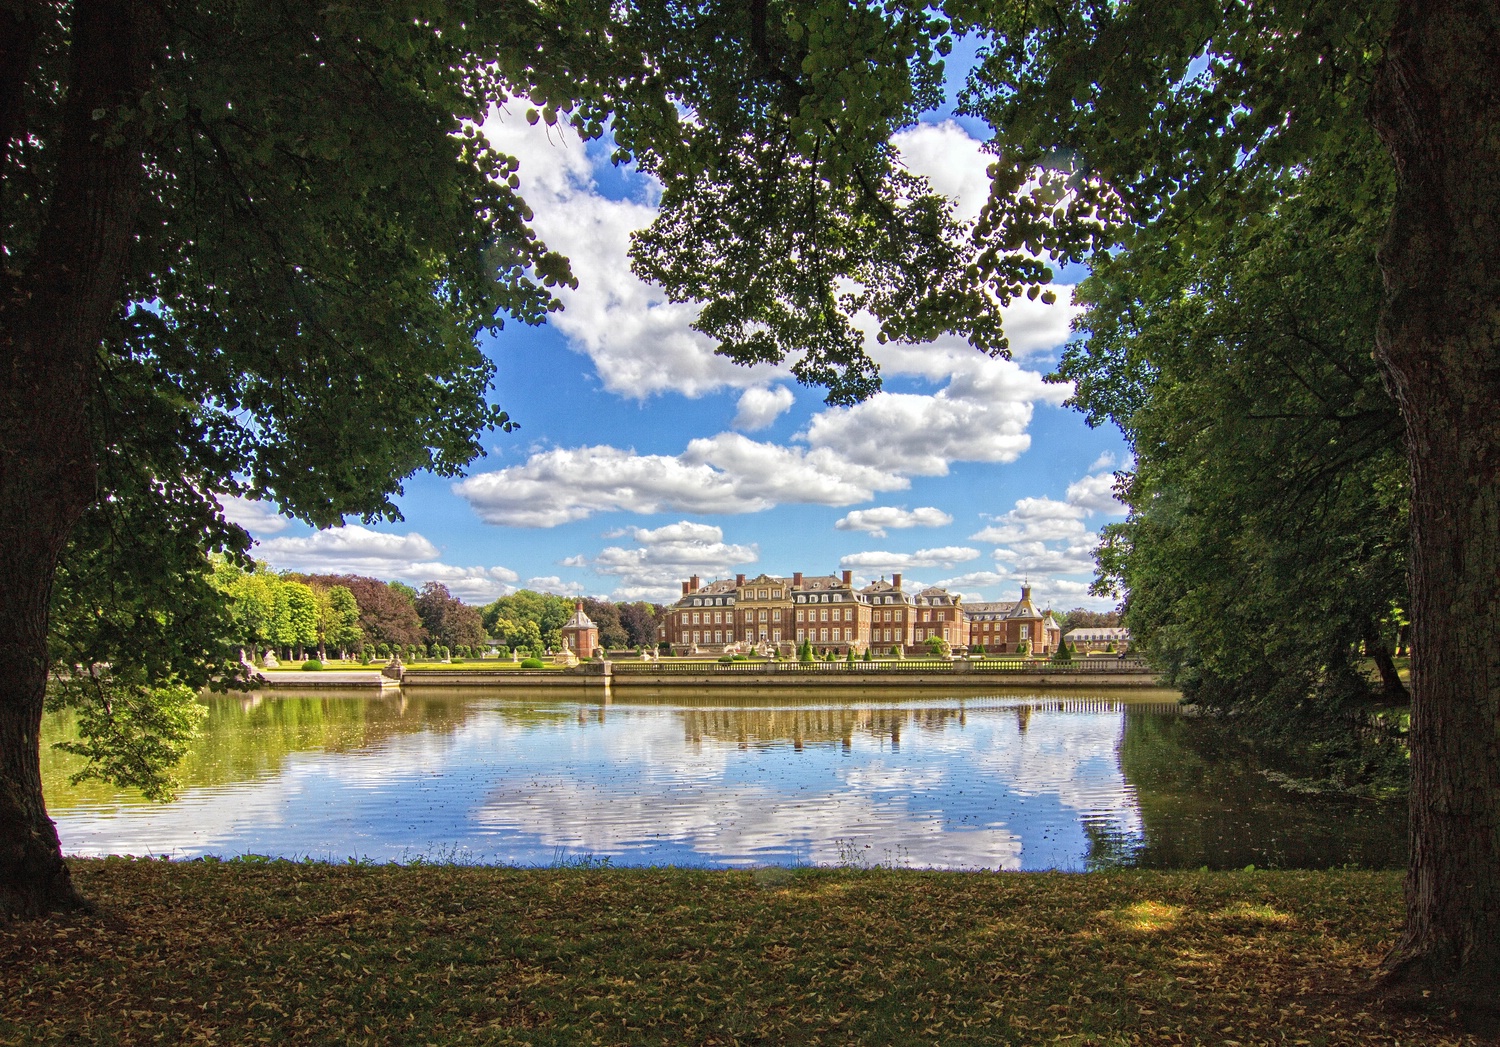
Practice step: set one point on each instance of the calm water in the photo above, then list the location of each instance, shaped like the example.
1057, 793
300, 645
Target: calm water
1005, 782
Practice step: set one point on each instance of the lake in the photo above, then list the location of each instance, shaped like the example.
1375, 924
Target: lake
1015, 781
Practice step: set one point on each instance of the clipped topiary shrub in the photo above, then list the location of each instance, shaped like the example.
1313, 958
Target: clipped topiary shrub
311, 664
533, 663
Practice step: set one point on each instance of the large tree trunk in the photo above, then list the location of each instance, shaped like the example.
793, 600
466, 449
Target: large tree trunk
53, 317
1437, 107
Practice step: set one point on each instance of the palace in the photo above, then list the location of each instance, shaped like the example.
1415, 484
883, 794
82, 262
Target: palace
775, 613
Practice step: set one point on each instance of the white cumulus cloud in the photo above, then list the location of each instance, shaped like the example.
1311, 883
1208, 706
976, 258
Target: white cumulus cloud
876, 521
639, 342
551, 583
1035, 519
874, 561
255, 516
727, 473
664, 557
758, 408
1096, 494
404, 557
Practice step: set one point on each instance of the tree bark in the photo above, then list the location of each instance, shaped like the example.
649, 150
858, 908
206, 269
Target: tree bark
53, 317
1437, 107
1380, 653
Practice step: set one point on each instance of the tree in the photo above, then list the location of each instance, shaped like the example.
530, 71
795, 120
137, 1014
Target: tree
1104, 105
1266, 545
447, 620
607, 616
387, 614
338, 619
549, 613
638, 619
298, 624
1082, 617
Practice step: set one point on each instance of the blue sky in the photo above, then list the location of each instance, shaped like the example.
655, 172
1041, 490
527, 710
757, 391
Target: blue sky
643, 458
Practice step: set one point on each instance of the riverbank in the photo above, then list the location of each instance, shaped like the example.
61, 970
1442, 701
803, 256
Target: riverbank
972, 676
239, 952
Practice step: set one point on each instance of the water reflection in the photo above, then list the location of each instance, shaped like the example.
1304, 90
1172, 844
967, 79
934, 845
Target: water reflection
1004, 782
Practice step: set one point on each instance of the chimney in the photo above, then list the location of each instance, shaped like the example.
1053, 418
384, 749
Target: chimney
684, 588
796, 579
848, 577
739, 579
896, 581
693, 581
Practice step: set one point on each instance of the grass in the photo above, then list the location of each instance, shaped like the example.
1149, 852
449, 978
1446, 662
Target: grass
282, 952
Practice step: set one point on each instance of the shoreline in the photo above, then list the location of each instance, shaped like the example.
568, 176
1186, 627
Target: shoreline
606, 679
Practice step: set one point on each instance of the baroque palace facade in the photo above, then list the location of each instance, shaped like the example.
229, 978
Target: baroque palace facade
829, 612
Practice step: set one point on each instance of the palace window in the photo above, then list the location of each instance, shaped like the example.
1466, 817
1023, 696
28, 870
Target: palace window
763, 614
776, 615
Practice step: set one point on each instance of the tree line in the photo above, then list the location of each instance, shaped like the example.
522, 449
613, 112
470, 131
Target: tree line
354, 616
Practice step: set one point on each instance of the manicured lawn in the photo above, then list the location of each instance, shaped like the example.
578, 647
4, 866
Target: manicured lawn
233, 952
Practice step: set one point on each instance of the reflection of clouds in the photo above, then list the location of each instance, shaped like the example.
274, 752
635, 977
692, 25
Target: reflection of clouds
942, 785
1073, 758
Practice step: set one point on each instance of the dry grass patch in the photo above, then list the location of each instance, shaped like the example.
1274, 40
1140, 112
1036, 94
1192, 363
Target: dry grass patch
209, 952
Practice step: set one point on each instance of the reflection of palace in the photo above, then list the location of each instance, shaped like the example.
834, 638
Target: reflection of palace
769, 612
746, 727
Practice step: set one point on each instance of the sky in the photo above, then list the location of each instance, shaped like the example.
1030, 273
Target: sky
643, 458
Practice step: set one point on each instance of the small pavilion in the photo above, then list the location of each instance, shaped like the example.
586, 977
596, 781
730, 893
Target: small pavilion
581, 635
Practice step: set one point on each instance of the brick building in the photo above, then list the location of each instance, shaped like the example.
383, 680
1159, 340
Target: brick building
771, 611
1001, 628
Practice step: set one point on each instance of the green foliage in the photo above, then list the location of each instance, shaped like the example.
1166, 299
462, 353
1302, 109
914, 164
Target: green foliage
1267, 534
805, 651
938, 647
533, 663
312, 665
133, 733
1024, 648
867, 656
529, 617
338, 618
1231, 219
1063, 655
1082, 618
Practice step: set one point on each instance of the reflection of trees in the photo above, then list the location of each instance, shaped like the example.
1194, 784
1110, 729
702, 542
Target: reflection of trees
1204, 802
250, 736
